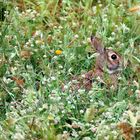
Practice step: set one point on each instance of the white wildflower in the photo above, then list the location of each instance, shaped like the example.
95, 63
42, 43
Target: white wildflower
53, 78
76, 36
124, 28
94, 9
100, 5
45, 106
74, 133
86, 138
81, 111
18, 136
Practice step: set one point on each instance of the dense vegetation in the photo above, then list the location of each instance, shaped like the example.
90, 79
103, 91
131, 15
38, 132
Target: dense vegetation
43, 43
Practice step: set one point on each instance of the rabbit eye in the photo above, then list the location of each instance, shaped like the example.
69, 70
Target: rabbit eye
114, 56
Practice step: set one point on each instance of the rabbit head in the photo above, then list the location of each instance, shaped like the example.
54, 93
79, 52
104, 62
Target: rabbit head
107, 60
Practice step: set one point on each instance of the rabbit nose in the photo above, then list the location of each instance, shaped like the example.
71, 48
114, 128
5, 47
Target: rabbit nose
115, 67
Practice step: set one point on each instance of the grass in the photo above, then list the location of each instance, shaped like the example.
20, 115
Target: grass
43, 44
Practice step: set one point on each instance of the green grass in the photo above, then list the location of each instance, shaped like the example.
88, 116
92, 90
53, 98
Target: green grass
29, 37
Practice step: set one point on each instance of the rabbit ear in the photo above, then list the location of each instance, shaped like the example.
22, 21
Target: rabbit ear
96, 43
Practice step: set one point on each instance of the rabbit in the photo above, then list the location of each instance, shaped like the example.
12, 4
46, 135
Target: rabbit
108, 61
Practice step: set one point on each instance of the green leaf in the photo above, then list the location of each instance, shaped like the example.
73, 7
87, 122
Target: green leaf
136, 58
3, 69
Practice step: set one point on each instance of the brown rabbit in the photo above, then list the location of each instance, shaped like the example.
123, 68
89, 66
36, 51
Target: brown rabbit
107, 62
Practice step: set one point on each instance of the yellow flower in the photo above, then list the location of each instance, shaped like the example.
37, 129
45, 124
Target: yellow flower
58, 52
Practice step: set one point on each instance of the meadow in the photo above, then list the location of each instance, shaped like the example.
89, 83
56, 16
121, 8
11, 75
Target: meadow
43, 44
